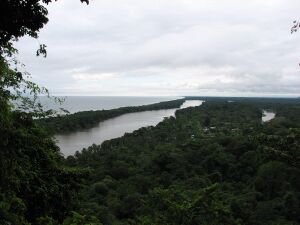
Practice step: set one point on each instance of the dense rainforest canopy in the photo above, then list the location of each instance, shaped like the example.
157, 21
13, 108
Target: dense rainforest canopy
213, 164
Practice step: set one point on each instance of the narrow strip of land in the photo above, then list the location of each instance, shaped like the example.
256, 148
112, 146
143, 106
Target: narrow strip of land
88, 119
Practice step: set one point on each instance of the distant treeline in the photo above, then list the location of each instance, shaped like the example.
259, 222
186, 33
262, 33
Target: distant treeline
89, 119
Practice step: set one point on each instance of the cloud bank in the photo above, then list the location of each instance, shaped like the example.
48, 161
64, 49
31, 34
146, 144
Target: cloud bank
178, 47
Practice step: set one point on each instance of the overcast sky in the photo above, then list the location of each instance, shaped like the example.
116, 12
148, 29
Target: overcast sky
168, 47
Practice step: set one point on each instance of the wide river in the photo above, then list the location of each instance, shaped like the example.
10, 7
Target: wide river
115, 127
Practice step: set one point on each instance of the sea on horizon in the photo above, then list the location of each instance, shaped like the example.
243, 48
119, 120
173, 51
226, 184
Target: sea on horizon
85, 103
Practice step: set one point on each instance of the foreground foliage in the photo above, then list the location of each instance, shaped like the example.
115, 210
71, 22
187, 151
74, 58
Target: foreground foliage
35, 185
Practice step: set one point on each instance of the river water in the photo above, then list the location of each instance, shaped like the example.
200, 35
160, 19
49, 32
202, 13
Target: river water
267, 116
115, 127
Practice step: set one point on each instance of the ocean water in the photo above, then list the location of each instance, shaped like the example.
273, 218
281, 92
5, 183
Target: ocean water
85, 103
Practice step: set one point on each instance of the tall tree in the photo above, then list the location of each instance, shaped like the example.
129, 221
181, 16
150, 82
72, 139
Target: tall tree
35, 186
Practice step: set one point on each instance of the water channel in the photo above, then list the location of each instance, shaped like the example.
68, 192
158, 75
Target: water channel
115, 127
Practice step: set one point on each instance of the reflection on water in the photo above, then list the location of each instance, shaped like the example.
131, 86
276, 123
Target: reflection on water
115, 127
267, 116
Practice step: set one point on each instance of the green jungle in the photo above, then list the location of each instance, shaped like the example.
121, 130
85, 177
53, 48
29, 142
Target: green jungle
214, 164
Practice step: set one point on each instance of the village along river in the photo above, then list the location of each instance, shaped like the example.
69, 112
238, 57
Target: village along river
115, 127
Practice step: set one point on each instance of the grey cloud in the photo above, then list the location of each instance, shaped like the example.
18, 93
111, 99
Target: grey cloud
243, 46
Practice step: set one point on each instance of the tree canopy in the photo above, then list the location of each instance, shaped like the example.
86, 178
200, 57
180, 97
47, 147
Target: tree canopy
35, 185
